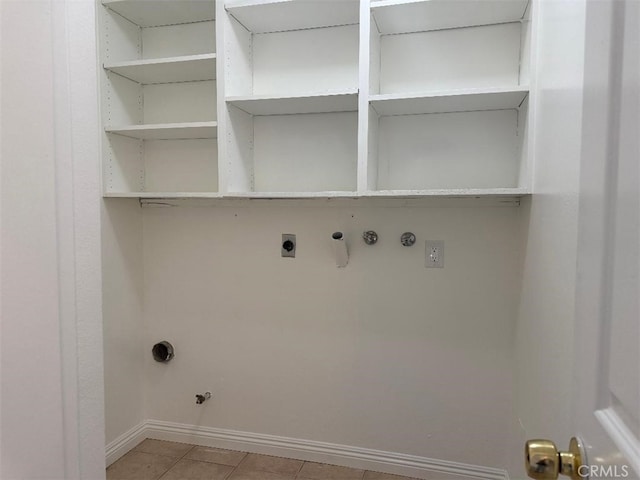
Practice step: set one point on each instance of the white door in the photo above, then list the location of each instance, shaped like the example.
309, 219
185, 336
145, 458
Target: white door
607, 396
606, 384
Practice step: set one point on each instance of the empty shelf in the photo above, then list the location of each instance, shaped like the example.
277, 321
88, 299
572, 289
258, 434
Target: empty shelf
405, 16
449, 101
167, 70
451, 192
318, 103
154, 13
399, 194
168, 131
263, 16
293, 195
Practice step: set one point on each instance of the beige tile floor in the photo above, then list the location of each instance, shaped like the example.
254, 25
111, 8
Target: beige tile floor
159, 460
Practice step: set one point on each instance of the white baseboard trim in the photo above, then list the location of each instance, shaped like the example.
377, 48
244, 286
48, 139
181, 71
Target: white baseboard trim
308, 450
125, 442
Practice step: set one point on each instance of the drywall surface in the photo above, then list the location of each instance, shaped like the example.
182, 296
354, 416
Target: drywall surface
544, 337
382, 354
122, 277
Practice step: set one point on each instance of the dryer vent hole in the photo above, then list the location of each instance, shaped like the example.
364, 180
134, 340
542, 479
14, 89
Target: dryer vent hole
162, 352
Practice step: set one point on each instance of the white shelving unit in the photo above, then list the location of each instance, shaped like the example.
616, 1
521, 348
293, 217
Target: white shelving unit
449, 87
317, 98
158, 97
291, 97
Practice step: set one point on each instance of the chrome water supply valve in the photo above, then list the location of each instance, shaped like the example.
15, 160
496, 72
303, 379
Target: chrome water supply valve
370, 237
408, 239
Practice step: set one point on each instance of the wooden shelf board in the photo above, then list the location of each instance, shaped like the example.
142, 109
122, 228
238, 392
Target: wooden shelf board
449, 101
167, 70
265, 16
346, 101
154, 13
168, 131
406, 16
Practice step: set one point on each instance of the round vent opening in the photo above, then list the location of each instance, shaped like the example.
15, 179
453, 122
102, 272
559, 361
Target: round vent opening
162, 352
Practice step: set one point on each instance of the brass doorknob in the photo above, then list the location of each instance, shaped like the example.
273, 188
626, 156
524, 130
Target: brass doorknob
543, 461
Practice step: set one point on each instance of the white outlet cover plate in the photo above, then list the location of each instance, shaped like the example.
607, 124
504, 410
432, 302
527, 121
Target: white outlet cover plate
434, 254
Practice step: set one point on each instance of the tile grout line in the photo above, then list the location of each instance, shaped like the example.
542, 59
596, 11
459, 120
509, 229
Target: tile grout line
301, 467
177, 460
288, 477
235, 468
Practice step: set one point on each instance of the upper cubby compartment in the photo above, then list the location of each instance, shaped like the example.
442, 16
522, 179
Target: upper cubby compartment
158, 97
424, 46
136, 30
149, 13
449, 96
408, 16
280, 50
268, 16
291, 95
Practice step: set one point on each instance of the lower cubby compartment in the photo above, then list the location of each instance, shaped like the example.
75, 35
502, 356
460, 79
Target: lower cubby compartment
168, 166
461, 150
292, 153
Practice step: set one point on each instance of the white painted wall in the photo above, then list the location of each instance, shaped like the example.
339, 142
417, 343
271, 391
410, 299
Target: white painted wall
544, 336
124, 350
383, 354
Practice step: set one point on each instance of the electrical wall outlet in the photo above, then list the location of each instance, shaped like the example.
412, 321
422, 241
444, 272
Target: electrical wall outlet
434, 254
288, 245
